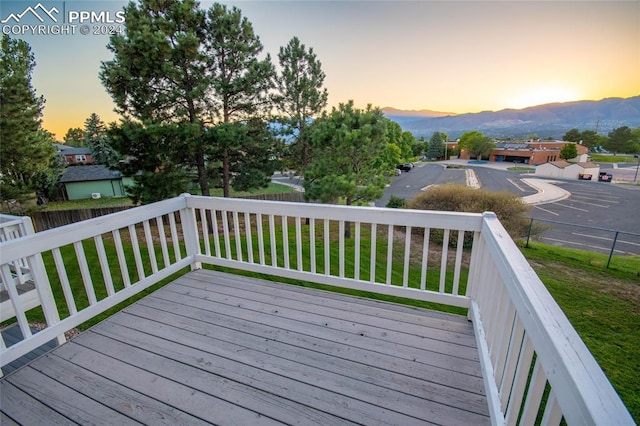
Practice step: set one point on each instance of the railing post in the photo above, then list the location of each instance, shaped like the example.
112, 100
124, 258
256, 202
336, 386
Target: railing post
613, 246
42, 284
190, 230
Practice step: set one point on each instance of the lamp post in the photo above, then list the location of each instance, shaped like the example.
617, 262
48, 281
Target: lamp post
635, 178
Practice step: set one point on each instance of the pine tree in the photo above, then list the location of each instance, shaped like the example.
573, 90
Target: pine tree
26, 149
436, 146
95, 136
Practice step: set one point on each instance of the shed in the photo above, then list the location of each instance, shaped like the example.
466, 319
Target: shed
565, 170
552, 169
95, 181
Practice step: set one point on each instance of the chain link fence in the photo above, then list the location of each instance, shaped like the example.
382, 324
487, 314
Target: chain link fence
589, 238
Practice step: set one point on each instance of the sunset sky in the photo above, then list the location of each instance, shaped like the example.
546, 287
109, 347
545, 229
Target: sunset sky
453, 56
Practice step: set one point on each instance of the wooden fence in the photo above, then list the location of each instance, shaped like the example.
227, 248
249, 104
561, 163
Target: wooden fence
44, 220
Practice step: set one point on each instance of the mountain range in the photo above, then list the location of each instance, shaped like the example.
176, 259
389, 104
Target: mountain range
546, 121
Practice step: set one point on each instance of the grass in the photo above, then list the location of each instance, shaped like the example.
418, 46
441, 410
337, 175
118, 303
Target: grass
603, 305
610, 158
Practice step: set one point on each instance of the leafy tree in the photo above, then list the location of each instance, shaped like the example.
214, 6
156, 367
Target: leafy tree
436, 146
178, 64
635, 141
95, 137
572, 135
251, 147
74, 137
349, 144
26, 149
620, 140
477, 144
158, 171
300, 97
591, 138
569, 151
241, 81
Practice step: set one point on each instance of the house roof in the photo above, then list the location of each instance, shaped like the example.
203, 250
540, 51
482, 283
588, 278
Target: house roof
588, 165
561, 164
75, 151
89, 173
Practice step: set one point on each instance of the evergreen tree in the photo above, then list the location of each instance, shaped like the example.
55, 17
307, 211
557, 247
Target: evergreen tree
95, 136
74, 137
300, 96
349, 146
26, 150
178, 64
436, 146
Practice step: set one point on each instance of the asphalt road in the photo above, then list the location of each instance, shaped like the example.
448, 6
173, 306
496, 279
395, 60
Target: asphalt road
609, 207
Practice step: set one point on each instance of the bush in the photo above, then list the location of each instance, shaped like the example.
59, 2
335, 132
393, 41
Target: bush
509, 208
397, 202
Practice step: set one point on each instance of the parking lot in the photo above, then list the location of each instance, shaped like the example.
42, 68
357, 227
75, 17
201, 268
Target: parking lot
586, 220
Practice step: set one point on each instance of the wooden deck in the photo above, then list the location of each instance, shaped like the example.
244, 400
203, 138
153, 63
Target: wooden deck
213, 348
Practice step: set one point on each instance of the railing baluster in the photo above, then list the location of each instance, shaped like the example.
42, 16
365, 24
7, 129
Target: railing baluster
407, 256
511, 364
503, 345
247, 233
374, 249
425, 259
341, 249
205, 231
458, 265
64, 281
225, 233
520, 383
552, 413
285, 241
312, 244
122, 261
298, 244
534, 394
389, 254
150, 247
10, 286
84, 272
356, 260
236, 233
133, 235
174, 237
443, 261
327, 249
260, 238
163, 241
272, 240
104, 265
216, 234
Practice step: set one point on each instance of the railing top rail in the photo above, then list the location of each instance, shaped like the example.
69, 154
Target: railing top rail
400, 217
68, 234
578, 381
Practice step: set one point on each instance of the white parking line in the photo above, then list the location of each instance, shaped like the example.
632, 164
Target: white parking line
606, 239
545, 210
590, 204
571, 207
600, 198
516, 185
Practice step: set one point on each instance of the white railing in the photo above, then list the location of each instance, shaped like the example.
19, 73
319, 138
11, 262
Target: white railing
11, 228
527, 346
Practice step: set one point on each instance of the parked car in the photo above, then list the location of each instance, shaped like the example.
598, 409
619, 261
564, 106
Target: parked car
405, 167
605, 177
584, 176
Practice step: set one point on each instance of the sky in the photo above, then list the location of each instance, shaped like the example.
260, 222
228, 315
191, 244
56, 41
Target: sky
448, 56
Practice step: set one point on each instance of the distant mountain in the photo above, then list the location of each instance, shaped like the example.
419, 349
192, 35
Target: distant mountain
548, 120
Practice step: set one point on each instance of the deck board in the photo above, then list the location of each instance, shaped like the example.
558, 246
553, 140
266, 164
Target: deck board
224, 349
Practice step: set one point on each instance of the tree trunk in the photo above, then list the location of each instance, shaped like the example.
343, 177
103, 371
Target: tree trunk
226, 178
203, 179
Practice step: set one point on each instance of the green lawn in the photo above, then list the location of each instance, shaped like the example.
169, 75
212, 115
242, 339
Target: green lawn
610, 158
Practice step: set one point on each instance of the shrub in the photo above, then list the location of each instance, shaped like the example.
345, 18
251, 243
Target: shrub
397, 202
509, 208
